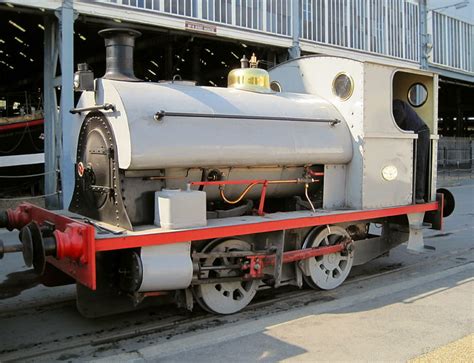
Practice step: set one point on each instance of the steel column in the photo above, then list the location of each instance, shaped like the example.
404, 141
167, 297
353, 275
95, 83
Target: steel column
295, 50
51, 164
67, 98
424, 37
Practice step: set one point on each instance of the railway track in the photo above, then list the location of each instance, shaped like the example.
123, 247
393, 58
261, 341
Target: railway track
35, 309
172, 322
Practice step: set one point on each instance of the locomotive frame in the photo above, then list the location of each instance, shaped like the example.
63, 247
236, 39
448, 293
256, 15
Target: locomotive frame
79, 239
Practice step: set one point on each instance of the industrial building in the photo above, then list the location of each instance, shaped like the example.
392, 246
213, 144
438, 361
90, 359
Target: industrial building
43, 41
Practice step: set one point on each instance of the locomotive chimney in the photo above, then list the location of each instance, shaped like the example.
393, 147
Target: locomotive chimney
119, 44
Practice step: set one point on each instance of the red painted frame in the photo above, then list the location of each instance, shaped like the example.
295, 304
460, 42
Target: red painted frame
82, 270
123, 241
85, 271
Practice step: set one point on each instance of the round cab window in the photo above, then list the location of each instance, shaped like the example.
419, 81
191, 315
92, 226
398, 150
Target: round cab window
275, 86
343, 86
417, 95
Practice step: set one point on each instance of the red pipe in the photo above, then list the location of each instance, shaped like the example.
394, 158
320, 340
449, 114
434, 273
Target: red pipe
230, 182
19, 125
315, 173
250, 182
253, 181
262, 199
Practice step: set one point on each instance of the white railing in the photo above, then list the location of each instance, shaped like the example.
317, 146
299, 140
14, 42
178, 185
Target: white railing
388, 27
271, 16
453, 42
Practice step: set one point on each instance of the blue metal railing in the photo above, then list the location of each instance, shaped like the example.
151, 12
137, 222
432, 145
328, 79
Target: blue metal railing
271, 16
366, 25
452, 42
385, 27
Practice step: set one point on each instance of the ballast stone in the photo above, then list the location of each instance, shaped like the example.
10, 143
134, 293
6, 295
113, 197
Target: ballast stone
176, 209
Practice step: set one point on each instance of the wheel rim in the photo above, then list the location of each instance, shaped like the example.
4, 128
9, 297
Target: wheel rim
225, 297
328, 271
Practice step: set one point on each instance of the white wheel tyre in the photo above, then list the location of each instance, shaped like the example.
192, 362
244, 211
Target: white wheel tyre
329, 271
225, 297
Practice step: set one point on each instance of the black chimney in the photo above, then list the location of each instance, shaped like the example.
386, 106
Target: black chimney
119, 44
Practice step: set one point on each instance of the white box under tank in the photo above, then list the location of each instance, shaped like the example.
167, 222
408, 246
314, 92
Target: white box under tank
175, 208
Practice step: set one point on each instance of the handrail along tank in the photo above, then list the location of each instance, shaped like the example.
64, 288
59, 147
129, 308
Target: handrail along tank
164, 135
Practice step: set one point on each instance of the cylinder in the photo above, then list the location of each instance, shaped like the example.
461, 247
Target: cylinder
165, 267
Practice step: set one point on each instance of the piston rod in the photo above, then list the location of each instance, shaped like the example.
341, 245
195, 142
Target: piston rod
253, 263
9, 249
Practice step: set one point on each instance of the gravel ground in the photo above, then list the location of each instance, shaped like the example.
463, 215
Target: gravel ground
461, 350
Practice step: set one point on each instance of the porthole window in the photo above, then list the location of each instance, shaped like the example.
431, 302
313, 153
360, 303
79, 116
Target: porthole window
343, 86
275, 86
417, 95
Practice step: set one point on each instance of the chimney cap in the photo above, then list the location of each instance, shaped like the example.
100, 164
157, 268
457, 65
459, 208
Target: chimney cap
105, 33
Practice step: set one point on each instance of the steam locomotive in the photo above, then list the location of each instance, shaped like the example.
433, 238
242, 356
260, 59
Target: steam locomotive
206, 194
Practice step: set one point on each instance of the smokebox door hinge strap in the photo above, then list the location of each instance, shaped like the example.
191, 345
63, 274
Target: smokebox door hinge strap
105, 107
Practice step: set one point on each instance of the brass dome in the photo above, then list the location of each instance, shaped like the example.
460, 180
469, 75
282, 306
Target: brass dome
249, 79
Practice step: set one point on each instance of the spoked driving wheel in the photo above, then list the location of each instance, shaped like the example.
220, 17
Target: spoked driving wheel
328, 271
225, 297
